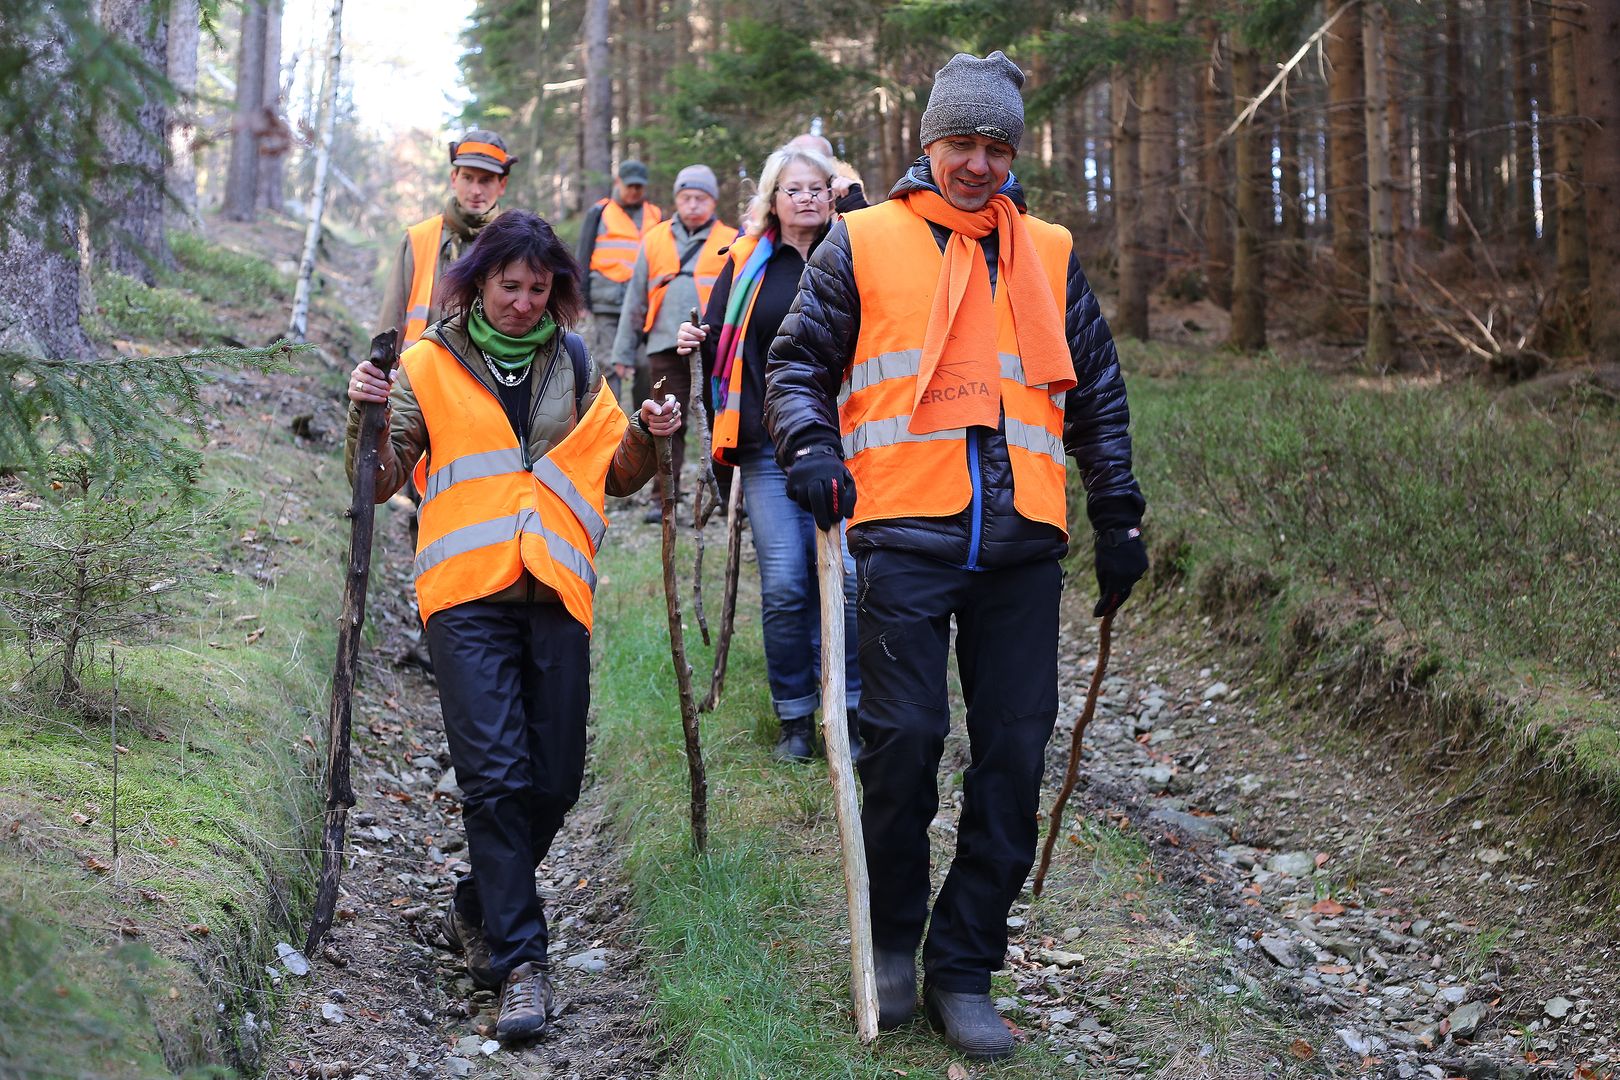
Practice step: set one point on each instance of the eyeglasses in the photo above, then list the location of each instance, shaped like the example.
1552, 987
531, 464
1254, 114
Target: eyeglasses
814, 195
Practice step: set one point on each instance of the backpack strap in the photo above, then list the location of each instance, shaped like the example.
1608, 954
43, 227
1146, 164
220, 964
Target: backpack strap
582, 368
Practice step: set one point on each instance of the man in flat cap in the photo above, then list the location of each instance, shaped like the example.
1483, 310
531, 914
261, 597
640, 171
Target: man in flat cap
675, 270
479, 168
945, 350
609, 240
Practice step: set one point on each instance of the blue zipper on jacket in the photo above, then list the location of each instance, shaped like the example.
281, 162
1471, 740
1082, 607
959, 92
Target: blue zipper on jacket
976, 525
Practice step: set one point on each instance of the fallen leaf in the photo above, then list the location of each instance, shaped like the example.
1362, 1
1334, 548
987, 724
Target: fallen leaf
197, 930
1321, 859
1302, 1050
171, 841
1333, 969
956, 1072
307, 741
1327, 906
119, 749
127, 927
81, 819
95, 864
255, 635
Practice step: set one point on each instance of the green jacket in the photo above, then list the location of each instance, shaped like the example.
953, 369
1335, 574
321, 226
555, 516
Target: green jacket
552, 417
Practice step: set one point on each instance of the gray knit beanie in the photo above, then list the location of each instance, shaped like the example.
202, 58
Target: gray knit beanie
976, 97
698, 178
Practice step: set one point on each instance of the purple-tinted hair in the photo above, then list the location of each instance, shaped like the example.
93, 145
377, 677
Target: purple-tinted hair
516, 236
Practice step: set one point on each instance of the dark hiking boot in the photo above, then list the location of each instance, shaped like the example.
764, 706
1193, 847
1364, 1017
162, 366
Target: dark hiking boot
896, 987
794, 745
855, 746
525, 1003
467, 937
969, 1022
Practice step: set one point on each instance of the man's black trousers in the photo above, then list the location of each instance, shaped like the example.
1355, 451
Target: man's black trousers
514, 685
1006, 650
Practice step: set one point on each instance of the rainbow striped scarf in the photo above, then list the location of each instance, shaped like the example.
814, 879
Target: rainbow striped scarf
739, 307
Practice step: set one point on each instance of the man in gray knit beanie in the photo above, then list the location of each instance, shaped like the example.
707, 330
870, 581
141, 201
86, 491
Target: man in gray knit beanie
976, 97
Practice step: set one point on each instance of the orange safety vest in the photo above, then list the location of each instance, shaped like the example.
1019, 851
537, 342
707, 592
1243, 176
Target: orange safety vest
487, 514
424, 237
901, 474
618, 239
728, 421
664, 264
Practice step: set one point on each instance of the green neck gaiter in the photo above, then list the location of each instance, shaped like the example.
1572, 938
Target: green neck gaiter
505, 351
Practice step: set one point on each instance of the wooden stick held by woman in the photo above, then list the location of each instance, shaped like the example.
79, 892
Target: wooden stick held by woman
362, 519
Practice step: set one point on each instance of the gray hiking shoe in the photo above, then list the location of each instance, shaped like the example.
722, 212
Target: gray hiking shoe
467, 937
969, 1022
896, 987
525, 1003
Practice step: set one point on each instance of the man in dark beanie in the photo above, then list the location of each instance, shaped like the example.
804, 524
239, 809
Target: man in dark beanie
945, 350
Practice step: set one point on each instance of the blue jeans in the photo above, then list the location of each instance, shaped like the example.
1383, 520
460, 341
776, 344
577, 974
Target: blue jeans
790, 599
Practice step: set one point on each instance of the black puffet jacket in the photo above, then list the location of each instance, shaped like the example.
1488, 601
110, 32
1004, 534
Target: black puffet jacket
814, 350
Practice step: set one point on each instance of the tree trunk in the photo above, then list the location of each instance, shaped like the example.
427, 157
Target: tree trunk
39, 260
1433, 170
1253, 197
127, 224
298, 324
1214, 106
1381, 202
1347, 148
1524, 166
1569, 139
597, 125
1598, 94
1132, 318
185, 33
1293, 216
1158, 152
276, 137
1457, 144
242, 174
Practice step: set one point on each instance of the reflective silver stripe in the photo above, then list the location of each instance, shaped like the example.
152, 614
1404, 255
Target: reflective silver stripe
906, 363
420, 311
472, 467
499, 531
1035, 439
879, 433
468, 538
546, 471
706, 279
608, 241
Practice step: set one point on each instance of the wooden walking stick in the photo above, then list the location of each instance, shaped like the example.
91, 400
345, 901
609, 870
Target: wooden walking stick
677, 650
1105, 635
728, 605
362, 518
835, 736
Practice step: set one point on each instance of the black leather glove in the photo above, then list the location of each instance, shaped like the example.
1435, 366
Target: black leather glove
1121, 562
818, 481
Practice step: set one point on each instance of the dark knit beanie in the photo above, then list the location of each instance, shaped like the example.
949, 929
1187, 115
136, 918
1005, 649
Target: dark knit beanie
976, 97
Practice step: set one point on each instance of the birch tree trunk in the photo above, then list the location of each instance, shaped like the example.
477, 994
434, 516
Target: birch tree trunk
1253, 200
597, 115
242, 173
298, 325
1380, 186
127, 227
1598, 93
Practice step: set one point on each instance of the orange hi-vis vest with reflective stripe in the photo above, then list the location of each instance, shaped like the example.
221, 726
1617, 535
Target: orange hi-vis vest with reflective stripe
424, 237
618, 239
488, 514
664, 264
728, 421
901, 474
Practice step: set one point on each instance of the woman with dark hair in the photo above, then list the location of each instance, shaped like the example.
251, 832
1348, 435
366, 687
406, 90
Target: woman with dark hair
515, 442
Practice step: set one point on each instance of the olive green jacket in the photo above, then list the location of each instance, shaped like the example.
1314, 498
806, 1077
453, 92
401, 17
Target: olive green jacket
552, 415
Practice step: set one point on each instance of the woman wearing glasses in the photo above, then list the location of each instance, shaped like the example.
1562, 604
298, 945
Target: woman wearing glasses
787, 218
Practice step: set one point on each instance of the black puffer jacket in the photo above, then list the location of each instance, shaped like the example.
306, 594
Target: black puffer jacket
816, 346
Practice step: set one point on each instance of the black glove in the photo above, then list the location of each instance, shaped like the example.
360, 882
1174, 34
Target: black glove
818, 481
1121, 562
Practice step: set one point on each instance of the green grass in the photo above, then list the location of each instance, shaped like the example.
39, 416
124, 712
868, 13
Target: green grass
1396, 539
217, 803
746, 943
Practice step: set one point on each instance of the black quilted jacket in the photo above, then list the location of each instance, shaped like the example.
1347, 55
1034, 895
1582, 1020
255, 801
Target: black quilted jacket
816, 346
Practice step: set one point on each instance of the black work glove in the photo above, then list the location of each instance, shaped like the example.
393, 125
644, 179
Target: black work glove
818, 481
1121, 562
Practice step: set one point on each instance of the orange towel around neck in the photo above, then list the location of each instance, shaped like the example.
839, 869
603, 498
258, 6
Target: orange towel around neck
958, 383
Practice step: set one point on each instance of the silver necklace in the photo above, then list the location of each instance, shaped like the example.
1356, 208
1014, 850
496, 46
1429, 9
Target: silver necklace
502, 377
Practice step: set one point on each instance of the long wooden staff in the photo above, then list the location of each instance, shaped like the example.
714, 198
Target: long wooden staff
835, 736
1105, 634
728, 606
677, 650
362, 518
